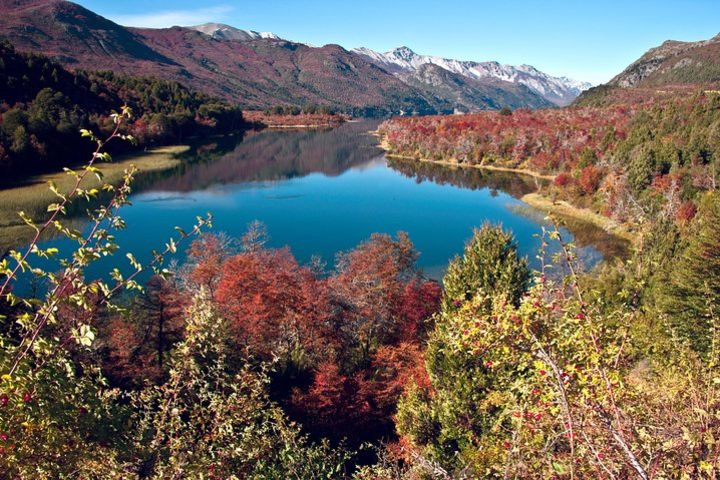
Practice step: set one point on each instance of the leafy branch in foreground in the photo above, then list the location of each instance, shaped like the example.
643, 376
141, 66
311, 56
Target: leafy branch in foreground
560, 384
45, 382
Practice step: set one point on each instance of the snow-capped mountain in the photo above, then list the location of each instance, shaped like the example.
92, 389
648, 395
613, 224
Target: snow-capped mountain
226, 32
558, 90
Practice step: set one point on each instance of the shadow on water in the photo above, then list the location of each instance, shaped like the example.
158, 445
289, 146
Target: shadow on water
469, 178
585, 234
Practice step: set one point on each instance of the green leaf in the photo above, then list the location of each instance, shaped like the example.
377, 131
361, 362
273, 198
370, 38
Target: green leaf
560, 468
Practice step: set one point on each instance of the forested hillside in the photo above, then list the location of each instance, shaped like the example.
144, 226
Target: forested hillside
629, 163
43, 107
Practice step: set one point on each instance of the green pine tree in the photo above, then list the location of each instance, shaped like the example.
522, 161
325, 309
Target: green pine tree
491, 264
691, 296
462, 404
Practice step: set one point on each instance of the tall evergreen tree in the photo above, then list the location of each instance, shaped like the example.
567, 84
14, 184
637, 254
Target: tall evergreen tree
491, 264
462, 404
691, 296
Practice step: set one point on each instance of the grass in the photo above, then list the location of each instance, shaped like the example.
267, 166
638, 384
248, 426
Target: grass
34, 195
564, 209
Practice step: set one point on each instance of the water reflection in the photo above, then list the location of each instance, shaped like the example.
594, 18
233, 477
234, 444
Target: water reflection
321, 192
272, 155
471, 178
585, 234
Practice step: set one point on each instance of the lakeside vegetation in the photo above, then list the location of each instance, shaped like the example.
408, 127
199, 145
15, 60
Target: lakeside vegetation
310, 117
33, 196
629, 163
564, 210
243, 363
43, 105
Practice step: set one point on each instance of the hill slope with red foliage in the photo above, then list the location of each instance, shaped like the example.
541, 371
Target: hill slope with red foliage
256, 74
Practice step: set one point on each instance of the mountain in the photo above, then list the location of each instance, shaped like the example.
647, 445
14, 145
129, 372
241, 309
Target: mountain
261, 70
558, 90
452, 92
226, 32
674, 62
671, 69
254, 72
72, 34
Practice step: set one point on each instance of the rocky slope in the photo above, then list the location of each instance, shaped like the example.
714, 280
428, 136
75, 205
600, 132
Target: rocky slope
672, 69
221, 31
452, 92
674, 62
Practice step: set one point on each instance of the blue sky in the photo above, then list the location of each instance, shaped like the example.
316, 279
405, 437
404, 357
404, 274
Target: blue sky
585, 40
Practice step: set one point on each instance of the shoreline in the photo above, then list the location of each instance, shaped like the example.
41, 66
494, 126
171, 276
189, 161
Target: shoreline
450, 163
536, 199
34, 194
301, 121
565, 209
35, 191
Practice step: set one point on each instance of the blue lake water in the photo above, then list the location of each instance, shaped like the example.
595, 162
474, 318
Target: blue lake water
322, 192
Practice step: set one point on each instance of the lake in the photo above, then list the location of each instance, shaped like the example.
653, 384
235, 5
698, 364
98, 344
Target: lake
320, 192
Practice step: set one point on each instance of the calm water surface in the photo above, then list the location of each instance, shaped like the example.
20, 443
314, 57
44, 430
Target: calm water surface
321, 192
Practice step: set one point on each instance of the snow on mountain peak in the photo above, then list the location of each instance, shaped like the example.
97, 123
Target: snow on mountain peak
226, 32
402, 52
559, 90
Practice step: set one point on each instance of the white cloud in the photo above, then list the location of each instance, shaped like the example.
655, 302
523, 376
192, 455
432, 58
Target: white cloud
171, 18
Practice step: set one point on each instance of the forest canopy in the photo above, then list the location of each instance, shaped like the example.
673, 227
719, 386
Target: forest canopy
43, 106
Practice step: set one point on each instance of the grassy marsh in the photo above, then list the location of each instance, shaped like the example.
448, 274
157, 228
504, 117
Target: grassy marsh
34, 195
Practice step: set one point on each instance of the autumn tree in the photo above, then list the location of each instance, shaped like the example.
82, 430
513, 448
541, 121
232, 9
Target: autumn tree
205, 260
589, 179
275, 306
368, 289
381, 306
332, 406
138, 342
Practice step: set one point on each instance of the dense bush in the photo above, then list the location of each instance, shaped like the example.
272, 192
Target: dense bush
572, 383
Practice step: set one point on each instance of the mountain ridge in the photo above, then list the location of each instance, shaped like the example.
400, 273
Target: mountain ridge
674, 62
228, 32
558, 90
253, 69
672, 68
462, 94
